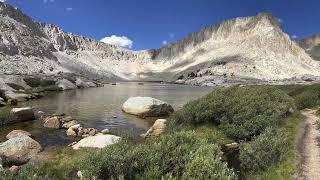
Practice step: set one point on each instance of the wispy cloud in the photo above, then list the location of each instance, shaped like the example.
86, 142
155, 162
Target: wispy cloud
294, 36
121, 41
3, 1
165, 42
69, 9
172, 35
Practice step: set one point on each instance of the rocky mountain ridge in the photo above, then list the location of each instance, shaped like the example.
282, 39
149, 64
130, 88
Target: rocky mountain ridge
242, 48
312, 46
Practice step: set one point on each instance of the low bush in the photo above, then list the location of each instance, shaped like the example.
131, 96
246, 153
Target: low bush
180, 155
265, 150
175, 155
305, 96
241, 112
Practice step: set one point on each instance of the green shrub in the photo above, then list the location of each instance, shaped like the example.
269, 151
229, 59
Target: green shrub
305, 96
241, 112
267, 149
177, 155
307, 99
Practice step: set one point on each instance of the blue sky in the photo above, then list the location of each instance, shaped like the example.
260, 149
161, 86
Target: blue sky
150, 23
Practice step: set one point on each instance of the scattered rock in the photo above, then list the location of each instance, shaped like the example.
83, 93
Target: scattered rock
72, 131
157, 128
66, 119
1, 165
14, 169
52, 122
58, 114
232, 146
115, 117
21, 115
16, 97
2, 103
147, 107
19, 150
79, 174
65, 84
105, 131
84, 84
89, 131
97, 141
308, 78
16, 133
67, 125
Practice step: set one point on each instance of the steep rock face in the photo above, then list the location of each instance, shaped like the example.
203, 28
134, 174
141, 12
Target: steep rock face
246, 47
241, 48
312, 46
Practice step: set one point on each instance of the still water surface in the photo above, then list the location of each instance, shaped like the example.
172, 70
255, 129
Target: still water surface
98, 107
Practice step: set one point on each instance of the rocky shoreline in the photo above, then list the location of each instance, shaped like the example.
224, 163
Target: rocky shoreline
20, 148
15, 88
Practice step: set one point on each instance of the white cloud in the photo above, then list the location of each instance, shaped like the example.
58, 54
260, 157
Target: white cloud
3, 1
280, 20
294, 36
69, 9
121, 41
172, 35
164, 42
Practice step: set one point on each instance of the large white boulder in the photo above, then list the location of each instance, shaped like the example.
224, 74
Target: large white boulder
21, 115
147, 107
97, 141
19, 150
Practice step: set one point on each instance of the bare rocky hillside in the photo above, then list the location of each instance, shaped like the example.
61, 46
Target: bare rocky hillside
245, 48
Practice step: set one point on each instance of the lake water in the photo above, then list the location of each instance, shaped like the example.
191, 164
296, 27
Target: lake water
98, 107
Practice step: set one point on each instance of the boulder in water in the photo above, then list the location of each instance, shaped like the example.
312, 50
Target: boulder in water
52, 122
97, 141
147, 107
21, 115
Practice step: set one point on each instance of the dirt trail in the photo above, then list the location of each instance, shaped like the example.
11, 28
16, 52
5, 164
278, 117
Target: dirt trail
309, 150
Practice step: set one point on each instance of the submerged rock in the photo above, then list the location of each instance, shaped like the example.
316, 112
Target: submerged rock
97, 141
19, 150
147, 107
157, 128
16, 133
21, 115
